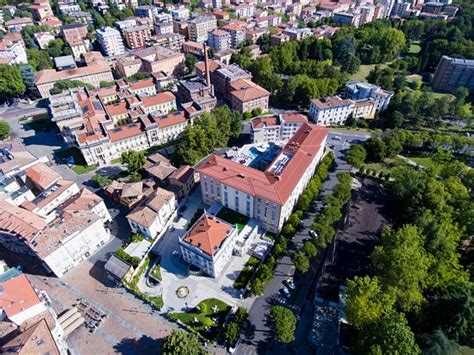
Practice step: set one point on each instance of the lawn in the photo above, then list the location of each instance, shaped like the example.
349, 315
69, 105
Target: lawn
414, 48
386, 166
427, 162
116, 160
344, 129
233, 217
364, 70
246, 274
204, 314
155, 272
79, 166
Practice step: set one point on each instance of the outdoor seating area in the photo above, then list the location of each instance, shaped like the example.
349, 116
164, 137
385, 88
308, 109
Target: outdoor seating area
325, 330
257, 156
93, 316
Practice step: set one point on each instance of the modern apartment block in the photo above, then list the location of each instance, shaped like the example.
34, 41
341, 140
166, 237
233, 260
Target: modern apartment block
219, 40
200, 26
330, 111
358, 90
136, 37
267, 194
110, 41
453, 73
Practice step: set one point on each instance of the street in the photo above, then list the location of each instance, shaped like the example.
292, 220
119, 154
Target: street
257, 337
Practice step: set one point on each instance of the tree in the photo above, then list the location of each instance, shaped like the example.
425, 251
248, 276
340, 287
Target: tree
257, 287
375, 149
133, 160
39, 59
4, 129
402, 265
356, 155
28, 76
301, 261
11, 84
438, 343
366, 302
100, 180
190, 61
180, 342
62, 85
284, 324
390, 335
309, 249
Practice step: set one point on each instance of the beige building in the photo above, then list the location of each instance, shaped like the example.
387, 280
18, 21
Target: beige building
247, 96
96, 71
200, 26
136, 37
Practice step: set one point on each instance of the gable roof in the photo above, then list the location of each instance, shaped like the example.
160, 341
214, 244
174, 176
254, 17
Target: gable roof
17, 295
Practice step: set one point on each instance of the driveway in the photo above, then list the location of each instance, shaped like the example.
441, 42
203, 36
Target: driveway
257, 336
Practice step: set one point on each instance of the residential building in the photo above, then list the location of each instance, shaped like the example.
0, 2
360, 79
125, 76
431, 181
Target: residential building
357, 90
173, 41
151, 216
79, 48
190, 47
236, 30
43, 39
181, 181
244, 10
270, 195
247, 96
346, 18
129, 194
209, 244
15, 159
12, 50
82, 17
163, 28
271, 128
219, 40
325, 31
145, 12
65, 62
453, 73
68, 9
181, 13
110, 41
136, 37
200, 26
18, 23
40, 9
74, 32
330, 111
157, 59
127, 23
97, 70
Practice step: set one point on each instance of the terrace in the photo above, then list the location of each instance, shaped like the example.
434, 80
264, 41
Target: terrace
257, 156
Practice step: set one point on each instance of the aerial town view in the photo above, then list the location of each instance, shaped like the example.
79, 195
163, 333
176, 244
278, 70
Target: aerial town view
241, 177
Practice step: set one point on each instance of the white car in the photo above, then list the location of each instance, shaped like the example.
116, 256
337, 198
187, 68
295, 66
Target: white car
336, 138
285, 292
290, 284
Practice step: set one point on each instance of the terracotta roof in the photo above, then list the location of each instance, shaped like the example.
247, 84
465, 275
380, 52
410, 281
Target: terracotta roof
159, 170
51, 75
304, 145
42, 175
140, 84
265, 121
51, 193
213, 65
19, 221
17, 295
158, 99
249, 93
208, 233
117, 109
123, 132
35, 340
295, 118
84, 200
19, 21
330, 102
171, 119
132, 189
145, 214
183, 174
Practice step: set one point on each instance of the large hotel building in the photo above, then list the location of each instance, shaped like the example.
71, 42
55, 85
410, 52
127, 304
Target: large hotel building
267, 195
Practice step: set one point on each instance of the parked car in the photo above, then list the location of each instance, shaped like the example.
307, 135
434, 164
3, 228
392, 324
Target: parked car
290, 284
312, 233
336, 138
285, 292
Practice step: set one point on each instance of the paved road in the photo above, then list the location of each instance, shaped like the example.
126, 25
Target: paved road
257, 336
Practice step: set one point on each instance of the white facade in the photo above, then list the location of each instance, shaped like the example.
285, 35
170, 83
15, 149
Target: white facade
199, 28
181, 13
26, 314
44, 209
15, 52
333, 114
76, 248
110, 41
43, 39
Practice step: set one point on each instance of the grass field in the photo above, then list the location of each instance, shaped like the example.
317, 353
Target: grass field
233, 218
427, 162
414, 48
79, 166
208, 314
364, 70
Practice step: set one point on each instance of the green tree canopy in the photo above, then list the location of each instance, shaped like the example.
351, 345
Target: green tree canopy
180, 342
284, 324
133, 160
11, 84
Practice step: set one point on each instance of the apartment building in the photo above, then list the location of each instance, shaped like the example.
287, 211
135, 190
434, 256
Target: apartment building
209, 244
270, 195
151, 216
110, 41
40, 9
247, 96
136, 37
236, 30
271, 128
453, 73
330, 111
156, 59
173, 41
347, 18
12, 50
73, 32
163, 28
358, 90
219, 40
97, 70
43, 39
200, 26
18, 23
244, 10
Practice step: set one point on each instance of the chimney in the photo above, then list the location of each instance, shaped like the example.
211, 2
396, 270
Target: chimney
206, 66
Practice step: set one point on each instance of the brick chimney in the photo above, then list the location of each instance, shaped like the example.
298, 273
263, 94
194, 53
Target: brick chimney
206, 66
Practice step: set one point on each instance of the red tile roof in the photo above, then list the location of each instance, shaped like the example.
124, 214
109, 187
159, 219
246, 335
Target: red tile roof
295, 118
208, 233
171, 119
124, 132
304, 145
17, 295
265, 121
158, 99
